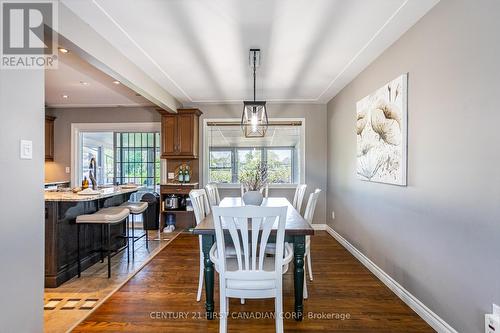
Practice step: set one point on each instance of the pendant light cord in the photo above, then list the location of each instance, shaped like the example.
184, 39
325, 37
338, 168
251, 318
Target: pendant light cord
254, 61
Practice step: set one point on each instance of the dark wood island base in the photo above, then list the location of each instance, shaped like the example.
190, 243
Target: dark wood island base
61, 210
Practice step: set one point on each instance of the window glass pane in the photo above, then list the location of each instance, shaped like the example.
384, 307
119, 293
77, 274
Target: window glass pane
220, 159
221, 175
131, 140
150, 139
279, 165
144, 140
138, 140
247, 161
124, 139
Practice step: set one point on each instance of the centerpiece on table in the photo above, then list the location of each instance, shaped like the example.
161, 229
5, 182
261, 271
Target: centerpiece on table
254, 180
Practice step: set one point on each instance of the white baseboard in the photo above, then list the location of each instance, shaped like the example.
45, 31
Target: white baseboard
423, 311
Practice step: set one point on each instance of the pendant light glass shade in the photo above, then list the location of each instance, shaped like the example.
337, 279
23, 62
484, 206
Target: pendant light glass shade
254, 119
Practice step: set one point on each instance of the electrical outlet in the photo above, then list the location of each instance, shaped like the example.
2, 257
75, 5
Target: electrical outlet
333, 215
491, 323
171, 175
492, 320
68, 170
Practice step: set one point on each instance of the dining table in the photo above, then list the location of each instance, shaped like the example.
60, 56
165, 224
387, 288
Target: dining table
296, 230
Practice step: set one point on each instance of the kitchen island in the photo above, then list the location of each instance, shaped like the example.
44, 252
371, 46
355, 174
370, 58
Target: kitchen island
61, 210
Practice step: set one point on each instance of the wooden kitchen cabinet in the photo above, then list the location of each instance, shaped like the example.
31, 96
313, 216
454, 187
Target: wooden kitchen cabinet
180, 134
49, 138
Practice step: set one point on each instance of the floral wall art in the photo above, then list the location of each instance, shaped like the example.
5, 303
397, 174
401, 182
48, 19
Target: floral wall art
381, 134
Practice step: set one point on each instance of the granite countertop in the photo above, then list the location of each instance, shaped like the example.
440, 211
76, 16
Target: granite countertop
57, 182
105, 193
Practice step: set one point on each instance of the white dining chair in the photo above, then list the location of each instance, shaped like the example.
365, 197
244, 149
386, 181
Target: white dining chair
201, 209
308, 216
213, 194
251, 273
299, 196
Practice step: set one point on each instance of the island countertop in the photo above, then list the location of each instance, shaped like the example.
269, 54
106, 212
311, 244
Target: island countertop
74, 197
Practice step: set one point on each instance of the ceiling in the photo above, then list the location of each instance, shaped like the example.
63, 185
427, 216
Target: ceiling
85, 86
198, 50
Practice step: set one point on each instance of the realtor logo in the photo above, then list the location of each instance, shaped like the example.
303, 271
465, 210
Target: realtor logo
27, 39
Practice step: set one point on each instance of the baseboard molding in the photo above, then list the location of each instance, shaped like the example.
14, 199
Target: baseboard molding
423, 311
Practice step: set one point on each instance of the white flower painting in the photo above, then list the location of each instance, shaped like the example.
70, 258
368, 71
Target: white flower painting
381, 134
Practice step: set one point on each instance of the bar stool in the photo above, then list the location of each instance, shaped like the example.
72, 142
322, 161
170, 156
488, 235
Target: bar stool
104, 217
136, 208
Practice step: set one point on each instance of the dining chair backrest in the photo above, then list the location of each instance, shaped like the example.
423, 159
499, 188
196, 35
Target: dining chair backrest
249, 228
311, 206
213, 194
201, 207
299, 196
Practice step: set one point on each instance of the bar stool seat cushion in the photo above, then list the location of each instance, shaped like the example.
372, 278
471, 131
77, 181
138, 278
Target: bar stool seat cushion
135, 207
105, 215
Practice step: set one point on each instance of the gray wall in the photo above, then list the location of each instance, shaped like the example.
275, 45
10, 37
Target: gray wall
440, 236
315, 155
22, 204
55, 171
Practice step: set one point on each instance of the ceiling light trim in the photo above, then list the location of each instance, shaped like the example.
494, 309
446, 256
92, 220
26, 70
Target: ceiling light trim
142, 50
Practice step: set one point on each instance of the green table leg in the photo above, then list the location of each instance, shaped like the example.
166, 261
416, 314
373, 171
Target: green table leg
299, 247
208, 241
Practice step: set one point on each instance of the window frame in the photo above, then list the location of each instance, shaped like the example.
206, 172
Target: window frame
298, 172
76, 141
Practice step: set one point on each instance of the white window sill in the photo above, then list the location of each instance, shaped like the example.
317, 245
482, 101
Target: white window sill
271, 186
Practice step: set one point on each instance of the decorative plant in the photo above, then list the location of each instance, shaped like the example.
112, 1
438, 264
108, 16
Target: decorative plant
254, 178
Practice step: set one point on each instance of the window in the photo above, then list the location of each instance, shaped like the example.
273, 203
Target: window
229, 154
138, 158
121, 157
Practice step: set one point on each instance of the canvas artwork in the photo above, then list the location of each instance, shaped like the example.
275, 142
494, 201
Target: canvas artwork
381, 134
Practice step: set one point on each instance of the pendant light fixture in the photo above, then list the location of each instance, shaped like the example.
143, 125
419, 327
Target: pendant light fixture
254, 119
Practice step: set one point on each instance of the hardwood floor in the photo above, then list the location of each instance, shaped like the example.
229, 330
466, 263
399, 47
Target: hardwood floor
344, 297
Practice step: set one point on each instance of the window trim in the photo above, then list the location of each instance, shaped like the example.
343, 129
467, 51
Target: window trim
301, 152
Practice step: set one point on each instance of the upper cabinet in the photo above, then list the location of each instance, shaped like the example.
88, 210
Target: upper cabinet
180, 133
49, 138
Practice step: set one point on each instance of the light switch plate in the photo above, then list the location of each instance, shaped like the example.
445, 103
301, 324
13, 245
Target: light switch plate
68, 170
26, 150
171, 175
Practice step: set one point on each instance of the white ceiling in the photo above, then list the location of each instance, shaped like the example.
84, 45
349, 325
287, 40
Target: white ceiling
99, 91
198, 50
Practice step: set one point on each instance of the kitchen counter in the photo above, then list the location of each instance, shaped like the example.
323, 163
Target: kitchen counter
73, 197
61, 211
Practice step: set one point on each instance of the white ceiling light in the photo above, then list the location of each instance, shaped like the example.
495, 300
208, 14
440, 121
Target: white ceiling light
63, 50
83, 83
116, 82
65, 96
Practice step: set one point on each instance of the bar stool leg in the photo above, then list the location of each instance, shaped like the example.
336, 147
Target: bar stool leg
78, 248
102, 242
133, 237
144, 228
126, 238
109, 250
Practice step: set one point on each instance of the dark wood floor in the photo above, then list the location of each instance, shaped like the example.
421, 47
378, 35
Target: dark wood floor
342, 288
